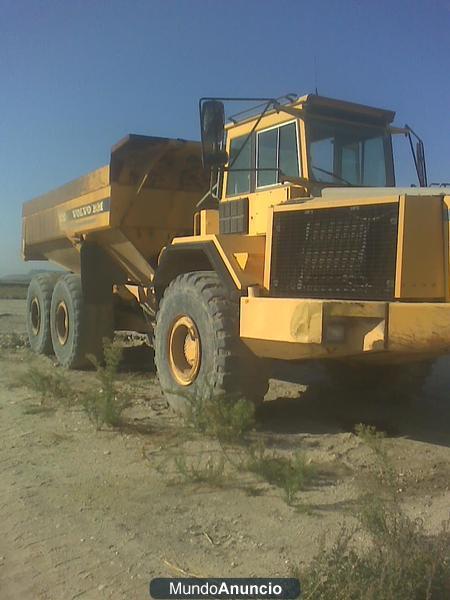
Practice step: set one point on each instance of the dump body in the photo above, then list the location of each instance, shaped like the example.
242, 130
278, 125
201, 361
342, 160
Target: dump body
132, 207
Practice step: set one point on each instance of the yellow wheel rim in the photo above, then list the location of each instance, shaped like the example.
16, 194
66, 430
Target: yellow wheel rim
184, 350
62, 322
35, 310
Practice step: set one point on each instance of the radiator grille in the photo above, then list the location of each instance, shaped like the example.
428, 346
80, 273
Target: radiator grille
343, 252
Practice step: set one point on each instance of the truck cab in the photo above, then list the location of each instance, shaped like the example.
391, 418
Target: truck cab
292, 155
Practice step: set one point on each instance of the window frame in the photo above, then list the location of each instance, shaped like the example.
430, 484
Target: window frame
278, 126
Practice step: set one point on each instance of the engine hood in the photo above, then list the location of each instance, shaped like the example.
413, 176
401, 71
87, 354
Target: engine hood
372, 192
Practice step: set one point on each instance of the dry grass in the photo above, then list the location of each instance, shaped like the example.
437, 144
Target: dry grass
402, 561
51, 386
13, 341
208, 469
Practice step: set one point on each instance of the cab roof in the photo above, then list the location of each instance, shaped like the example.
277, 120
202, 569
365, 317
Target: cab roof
313, 105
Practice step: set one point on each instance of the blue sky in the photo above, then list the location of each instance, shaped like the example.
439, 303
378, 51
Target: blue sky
77, 75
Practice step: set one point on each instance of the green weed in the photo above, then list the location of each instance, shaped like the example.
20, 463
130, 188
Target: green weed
105, 404
225, 418
290, 473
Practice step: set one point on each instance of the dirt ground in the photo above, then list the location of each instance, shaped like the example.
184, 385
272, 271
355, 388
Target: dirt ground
93, 515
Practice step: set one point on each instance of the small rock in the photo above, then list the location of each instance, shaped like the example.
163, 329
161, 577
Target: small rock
106, 452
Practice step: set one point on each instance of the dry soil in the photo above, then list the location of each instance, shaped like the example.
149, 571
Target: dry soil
96, 514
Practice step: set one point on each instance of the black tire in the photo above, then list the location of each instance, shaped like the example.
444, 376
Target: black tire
226, 366
39, 298
77, 328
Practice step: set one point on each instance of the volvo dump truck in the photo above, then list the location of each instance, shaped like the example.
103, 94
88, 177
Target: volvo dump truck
281, 235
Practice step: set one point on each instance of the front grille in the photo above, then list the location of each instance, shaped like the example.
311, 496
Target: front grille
343, 252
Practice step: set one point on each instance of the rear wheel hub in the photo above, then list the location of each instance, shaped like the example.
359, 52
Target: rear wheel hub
62, 323
35, 316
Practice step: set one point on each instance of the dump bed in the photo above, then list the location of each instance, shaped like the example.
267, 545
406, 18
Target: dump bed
132, 207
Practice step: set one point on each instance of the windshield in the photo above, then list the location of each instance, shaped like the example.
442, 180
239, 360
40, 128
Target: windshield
343, 154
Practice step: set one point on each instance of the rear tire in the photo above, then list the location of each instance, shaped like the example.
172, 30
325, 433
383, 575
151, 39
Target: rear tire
77, 328
198, 352
39, 298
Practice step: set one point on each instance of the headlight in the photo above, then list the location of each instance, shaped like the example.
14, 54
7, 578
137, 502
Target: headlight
335, 332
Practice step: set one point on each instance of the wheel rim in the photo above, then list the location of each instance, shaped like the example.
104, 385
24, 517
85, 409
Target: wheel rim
184, 350
35, 315
62, 323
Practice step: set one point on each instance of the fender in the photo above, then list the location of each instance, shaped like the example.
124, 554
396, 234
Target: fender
237, 259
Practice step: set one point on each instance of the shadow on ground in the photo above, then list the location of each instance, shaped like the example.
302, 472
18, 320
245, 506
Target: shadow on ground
137, 358
319, 409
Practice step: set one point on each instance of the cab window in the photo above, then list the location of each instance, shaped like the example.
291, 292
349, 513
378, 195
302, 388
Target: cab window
277, 152
238, 181
343, 154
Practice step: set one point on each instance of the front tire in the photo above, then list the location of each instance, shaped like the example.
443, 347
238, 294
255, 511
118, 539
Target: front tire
198, 352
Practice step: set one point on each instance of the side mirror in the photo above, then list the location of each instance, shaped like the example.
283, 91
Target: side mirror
212, 122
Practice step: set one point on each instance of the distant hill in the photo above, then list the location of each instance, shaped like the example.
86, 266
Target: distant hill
22, 278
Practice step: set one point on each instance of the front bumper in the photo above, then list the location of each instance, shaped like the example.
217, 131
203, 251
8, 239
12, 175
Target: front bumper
293, 329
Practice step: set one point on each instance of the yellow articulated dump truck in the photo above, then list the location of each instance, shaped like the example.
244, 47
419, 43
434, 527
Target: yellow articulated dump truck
281, 235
